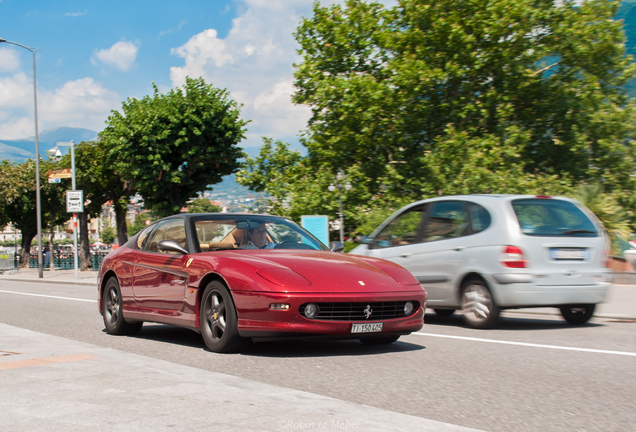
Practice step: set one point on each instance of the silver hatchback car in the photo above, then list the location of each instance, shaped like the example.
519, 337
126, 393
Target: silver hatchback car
485, 253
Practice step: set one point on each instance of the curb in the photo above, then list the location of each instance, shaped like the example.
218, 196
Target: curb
49, 281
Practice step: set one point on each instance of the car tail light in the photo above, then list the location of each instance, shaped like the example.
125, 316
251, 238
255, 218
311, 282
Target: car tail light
513, 257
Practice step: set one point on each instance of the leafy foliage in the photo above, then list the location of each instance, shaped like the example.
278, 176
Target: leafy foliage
446, 97
605, 206
202, 205
172, 146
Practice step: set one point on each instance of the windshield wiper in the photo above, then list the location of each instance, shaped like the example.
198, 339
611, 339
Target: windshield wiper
578, 231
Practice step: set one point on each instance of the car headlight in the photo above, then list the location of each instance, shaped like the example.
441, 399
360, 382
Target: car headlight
408, 308
311, 310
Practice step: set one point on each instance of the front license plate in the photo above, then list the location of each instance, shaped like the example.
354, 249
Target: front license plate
568, 254
366, 328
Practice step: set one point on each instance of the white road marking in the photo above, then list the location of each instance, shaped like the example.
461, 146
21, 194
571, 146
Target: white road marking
590, 350
48, 296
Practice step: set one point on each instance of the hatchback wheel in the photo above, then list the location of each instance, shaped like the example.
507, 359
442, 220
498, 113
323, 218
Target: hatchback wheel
577, 314
112, 306
219, 323
478, 306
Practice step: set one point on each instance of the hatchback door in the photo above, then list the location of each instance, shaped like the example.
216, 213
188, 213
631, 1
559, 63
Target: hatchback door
399, 240
563, 246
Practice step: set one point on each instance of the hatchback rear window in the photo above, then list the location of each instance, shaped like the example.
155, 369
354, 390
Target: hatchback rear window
552, 217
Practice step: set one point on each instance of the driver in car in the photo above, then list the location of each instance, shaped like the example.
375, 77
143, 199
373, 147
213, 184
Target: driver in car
257, 239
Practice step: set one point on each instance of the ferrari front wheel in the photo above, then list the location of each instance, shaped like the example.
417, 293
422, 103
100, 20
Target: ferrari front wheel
112, 311
219, 322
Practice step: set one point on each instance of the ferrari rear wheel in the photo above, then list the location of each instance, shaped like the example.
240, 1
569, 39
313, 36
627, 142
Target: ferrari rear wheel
219, 322
112, 305
380, 340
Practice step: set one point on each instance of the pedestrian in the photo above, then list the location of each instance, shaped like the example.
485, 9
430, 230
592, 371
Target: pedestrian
47, 255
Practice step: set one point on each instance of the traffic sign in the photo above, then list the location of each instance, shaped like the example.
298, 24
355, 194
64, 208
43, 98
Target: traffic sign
62, 173
55, 180
74, 201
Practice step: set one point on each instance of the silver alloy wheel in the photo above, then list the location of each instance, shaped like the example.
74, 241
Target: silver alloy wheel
215, 316
477, 303
112, 307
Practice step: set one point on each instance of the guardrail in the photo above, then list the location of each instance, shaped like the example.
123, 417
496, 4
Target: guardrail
67, 260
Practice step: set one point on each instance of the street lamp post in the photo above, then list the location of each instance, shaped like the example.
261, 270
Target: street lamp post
338, 184
37, 156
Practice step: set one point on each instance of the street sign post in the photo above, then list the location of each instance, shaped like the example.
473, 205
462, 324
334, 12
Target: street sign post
75, 201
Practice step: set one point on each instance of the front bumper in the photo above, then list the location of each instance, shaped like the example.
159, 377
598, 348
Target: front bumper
256, 320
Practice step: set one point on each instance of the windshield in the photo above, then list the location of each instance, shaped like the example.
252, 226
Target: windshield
219, 232
550, 217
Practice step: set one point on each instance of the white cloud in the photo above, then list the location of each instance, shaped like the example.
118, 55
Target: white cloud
16, 91
9, 60
254, 62
120, 56
81, 103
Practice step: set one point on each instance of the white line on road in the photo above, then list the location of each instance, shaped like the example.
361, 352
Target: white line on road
48, 296
625, 353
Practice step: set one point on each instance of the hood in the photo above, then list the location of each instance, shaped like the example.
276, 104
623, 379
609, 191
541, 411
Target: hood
329, 271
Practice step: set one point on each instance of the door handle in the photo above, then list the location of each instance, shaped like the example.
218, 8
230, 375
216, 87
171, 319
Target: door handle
405, 255
459, 248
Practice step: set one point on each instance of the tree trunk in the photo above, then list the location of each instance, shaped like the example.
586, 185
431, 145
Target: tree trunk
121, 209
27, 238
84, 243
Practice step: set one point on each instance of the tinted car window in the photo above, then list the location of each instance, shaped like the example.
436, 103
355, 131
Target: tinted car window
402, 230
143, 236
170, 230
479, 218
550, 217
447, 219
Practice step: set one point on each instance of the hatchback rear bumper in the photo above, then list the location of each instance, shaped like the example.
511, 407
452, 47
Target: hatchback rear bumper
528, 294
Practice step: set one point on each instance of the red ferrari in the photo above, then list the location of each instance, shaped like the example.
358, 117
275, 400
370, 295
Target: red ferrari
240, 277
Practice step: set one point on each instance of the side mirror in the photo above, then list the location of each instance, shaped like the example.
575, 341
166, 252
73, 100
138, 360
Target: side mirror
367, 240
336, 246
171, 246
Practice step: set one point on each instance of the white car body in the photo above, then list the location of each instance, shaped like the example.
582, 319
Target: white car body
560, 270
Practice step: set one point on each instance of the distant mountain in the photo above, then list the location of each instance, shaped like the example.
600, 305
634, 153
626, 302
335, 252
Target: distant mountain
23, 149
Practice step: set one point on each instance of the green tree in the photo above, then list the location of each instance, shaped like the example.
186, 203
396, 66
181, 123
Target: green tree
202, 205
108, 235
18, 200
172, 146
448, 97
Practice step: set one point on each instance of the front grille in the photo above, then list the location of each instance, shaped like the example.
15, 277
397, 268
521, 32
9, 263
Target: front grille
350, 311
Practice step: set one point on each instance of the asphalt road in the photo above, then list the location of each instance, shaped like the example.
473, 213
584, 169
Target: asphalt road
533, 373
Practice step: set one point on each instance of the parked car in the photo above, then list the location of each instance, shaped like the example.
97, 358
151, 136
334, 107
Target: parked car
236, 277
485, 253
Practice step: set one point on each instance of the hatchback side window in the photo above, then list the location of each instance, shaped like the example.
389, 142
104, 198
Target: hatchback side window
447, 219
173, 229
403, 230
479, 218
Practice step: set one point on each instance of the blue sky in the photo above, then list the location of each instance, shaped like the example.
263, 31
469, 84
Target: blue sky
95, 54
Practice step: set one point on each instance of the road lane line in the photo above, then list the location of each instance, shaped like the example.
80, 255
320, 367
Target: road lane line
15, 364
590, 350
48, 296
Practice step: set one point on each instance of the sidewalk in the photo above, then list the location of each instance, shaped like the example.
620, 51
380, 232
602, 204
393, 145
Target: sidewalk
57, 277
620, 303
49, 383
